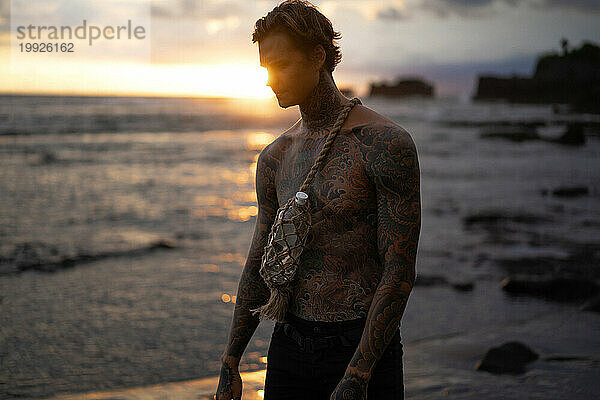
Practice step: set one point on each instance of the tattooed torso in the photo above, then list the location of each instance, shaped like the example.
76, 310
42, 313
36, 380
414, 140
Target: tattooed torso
340, 267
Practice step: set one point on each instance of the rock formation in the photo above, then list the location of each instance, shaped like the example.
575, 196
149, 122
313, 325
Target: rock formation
572, 77
403, 88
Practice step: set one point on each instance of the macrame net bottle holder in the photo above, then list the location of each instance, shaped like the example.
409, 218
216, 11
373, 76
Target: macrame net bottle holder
285, 244
288, 237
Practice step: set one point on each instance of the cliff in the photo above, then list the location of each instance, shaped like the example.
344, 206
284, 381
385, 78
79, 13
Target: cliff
570, 78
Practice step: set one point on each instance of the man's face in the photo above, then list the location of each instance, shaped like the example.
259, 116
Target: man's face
292, 76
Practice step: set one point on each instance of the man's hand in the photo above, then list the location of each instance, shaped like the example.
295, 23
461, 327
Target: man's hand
230, 382
351, 387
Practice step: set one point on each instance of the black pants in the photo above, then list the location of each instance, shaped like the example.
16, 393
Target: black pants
307, 359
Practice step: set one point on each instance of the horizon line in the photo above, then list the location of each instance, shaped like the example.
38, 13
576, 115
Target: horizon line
140, 95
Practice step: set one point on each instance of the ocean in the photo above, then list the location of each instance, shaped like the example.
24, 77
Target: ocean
125, 223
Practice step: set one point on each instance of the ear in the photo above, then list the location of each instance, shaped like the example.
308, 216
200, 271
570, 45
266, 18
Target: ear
318, 57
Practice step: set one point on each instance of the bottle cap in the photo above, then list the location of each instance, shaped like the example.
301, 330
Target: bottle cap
301, 198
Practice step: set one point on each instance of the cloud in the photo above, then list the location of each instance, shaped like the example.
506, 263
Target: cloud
370, 10
466, 8
585, 6
485, 8
207, 9
4, 15
392, 14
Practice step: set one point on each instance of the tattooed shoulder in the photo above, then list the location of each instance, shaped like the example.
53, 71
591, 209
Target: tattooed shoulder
387, 149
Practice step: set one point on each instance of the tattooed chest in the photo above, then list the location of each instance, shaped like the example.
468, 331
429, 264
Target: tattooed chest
339, 190
339, 268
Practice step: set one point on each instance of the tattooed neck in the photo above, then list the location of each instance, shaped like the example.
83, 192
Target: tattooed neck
321, 109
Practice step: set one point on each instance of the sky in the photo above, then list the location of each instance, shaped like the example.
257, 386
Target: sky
203, 47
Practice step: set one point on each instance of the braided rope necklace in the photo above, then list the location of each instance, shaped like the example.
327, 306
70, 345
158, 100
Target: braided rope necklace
286, 241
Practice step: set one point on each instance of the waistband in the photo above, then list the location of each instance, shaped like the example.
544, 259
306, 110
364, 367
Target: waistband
324, 327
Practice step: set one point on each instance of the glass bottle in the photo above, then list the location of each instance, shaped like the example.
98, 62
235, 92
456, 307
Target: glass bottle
286, 237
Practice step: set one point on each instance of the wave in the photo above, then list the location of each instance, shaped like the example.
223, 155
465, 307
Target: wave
48, 258
31, 115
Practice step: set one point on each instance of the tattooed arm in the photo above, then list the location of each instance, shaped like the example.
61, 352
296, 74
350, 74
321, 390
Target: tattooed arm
252, 291
391, 160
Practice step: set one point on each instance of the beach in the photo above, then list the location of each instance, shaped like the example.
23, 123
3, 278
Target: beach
125, 225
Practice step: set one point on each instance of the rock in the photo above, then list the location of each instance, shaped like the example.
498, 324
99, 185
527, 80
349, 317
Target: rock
163, 244
571, 78
48, 157
495, 217
439, 280
515, 88
27, 254
570, 191
510, 357
463, 287
557, 289
587, 102
403, 88
520, 135
567, 358
574, 136
560, 258
483, 218
424, 280
593, 304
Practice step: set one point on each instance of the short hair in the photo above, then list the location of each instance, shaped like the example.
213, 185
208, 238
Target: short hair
306, 27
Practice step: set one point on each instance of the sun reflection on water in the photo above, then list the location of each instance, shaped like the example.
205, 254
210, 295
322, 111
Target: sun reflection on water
258, 140
228, 257
226, 298
215, 206
247, 197
210, 267
243, 213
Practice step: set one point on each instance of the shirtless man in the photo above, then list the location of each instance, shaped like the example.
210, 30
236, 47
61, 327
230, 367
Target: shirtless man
341, 337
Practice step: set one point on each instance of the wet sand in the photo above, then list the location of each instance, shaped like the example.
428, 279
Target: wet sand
200, 389
443, 367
